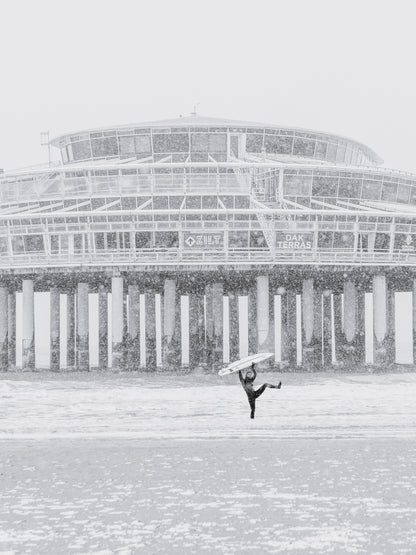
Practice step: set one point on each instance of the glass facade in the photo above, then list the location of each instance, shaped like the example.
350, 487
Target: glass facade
195, 144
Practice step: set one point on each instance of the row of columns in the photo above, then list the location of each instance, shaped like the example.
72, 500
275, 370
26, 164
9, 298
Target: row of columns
326, 320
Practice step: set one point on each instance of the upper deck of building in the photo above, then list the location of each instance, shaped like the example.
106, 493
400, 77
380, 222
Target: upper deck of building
197, 138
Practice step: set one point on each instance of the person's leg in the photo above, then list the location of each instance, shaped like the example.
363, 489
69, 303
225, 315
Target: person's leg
261, 389
252, 402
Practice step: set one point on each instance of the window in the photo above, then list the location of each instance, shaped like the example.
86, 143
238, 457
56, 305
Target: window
143, 240
142, 143
238, 239
218, 142
199, 142
104, 146
297, 185
303, 147
257, 240
81, 150
126, 146
254, 143
325, 186
33, 243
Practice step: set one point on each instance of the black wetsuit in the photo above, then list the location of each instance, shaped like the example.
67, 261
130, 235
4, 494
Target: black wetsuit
252, 393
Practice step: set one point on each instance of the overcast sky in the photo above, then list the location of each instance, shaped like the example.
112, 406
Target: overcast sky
343, 66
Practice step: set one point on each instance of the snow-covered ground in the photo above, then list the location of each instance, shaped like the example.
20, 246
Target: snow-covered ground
134, 463
197, 406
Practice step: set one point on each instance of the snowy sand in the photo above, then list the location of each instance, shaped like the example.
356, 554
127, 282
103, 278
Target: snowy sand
127, 464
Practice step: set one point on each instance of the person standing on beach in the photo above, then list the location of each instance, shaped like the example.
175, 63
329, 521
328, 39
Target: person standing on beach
253, 394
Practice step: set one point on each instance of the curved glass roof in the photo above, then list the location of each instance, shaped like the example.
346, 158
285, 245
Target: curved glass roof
308, 143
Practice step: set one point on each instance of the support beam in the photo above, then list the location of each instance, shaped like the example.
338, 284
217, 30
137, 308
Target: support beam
252, 320
102, 327
28, 332
218, 319
82, 343
70, 330
117, 321
288, 327
171, 338
133, 340
233, 326
327, 328
264, 328
391, 325
55, 338
12, 329
209, 327
4, 325
381, 355
309, 346
150, 330
196, 329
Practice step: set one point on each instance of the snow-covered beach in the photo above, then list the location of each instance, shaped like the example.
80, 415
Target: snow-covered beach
139, 463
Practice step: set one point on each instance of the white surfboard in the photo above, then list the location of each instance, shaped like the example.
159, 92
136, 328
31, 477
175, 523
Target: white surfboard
244, 363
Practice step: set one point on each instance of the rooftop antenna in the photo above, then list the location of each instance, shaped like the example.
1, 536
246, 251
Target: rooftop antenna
194, 113
44, 141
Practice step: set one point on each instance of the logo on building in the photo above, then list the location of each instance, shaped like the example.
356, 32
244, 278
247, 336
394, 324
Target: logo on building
294, 241
206, 240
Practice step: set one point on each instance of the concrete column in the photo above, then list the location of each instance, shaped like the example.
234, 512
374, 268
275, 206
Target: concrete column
218, 319
196, 329
288, 327
82, 343
327, 328
133, 340
4, 325
263, 314
102, 327
233, 326
338, 328
360, 327
28, 332
118, 321
391, 325
252, 321
150, 330
209, 326
414, 322
70, 330
12, 329
381, 355
308, 325
171, 339
55, 338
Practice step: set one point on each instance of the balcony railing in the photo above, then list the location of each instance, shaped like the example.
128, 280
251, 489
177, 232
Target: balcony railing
176, 257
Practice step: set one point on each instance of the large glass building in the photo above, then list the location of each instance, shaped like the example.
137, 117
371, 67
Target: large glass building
296, 223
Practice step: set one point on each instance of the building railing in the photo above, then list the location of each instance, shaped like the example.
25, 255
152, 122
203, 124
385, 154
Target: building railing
176, 257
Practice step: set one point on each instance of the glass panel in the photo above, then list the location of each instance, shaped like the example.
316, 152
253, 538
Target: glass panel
303, 147
17, 244
403, 194
81, 150
257, 240
33, 243
294, 185
218, 143
103, 147
320, 150
343, 240
276, 144
325, 186
126, 145
371, 190
99, 241
179, 143
331, 152
142, 143
325, 239
238, 239
199, 142
167, 239
382, 242
143, 239
254, 143
112, 240
3, 244
349, 188
78, 243
54, 244
389, 191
